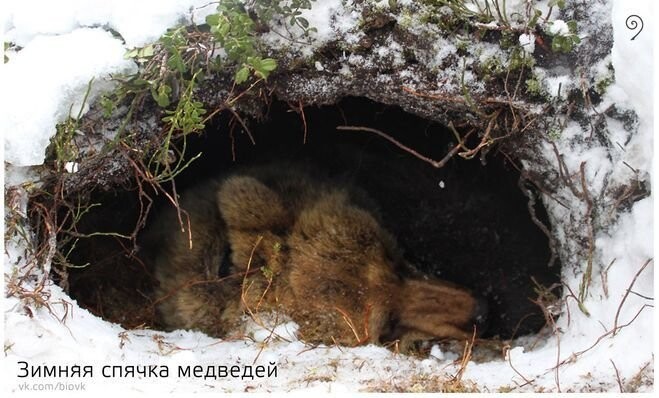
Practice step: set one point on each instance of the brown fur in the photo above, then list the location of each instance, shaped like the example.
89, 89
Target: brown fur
314, 250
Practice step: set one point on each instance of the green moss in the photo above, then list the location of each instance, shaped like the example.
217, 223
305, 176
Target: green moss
520, 59
491, 67
554, 134
602, 83
405, 20
535, 87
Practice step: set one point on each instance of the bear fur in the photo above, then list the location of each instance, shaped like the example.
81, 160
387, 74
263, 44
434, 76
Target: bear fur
274, 238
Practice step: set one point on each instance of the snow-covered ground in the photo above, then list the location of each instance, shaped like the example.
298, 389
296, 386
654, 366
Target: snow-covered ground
66, 43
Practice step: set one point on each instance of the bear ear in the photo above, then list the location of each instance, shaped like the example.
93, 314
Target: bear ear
323, 215
245, 203
334, 223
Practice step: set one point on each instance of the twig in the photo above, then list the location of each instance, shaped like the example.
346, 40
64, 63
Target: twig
351, 325
558, 349
605, 278
529, 178
599, 339
587, 275
485, 140
242, 123
556, 331
304, 121
530, 204
641, 295
622, 390
624, 298
510, 362
466, 357
563, 172
300, 111
434, 163
243, 292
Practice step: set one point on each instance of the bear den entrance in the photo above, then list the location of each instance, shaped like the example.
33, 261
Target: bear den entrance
466, 222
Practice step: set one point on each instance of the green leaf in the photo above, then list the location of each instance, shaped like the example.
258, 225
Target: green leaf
242, 75
213, 19
142, 82
161, 95
147, 51
534, 20
108, 106
131, 54
268, 64
303, 22
559, 3
175, 62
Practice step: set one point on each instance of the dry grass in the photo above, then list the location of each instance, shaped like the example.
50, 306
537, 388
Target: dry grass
419, 383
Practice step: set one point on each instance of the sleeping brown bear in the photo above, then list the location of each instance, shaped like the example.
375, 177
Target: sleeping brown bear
273, 238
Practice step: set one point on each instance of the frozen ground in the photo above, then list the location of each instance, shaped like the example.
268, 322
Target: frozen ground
66, 44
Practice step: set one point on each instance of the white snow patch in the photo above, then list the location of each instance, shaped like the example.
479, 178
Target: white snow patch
558, 27
268, 326
634, 86
138, 22
527, 41
59, 70
442, 49
71, 167
559, 86
330, 18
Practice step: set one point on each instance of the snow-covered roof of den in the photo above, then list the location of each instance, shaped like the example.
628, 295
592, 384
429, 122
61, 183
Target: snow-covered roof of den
66, 44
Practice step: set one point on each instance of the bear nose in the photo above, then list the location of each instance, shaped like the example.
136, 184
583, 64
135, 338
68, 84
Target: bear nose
479, 316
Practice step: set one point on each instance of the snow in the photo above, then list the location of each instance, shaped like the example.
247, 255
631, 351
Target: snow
67, 43
138, 22
527, 41
632, 61
71, 167
59, 69
330, 18
323, 16
558, 28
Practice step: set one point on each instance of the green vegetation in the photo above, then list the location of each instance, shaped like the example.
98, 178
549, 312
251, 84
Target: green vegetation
171, 68
565, 43
494, 21
169, 73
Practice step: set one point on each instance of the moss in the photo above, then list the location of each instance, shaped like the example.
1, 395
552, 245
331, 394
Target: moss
602, 83
554, 134
535, 87
405, 20
520, 59
491, 67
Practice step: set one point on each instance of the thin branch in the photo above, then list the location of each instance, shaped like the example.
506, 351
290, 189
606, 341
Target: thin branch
622, 390
242, 123
510, 362
434, 163
530, 204
624, 298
